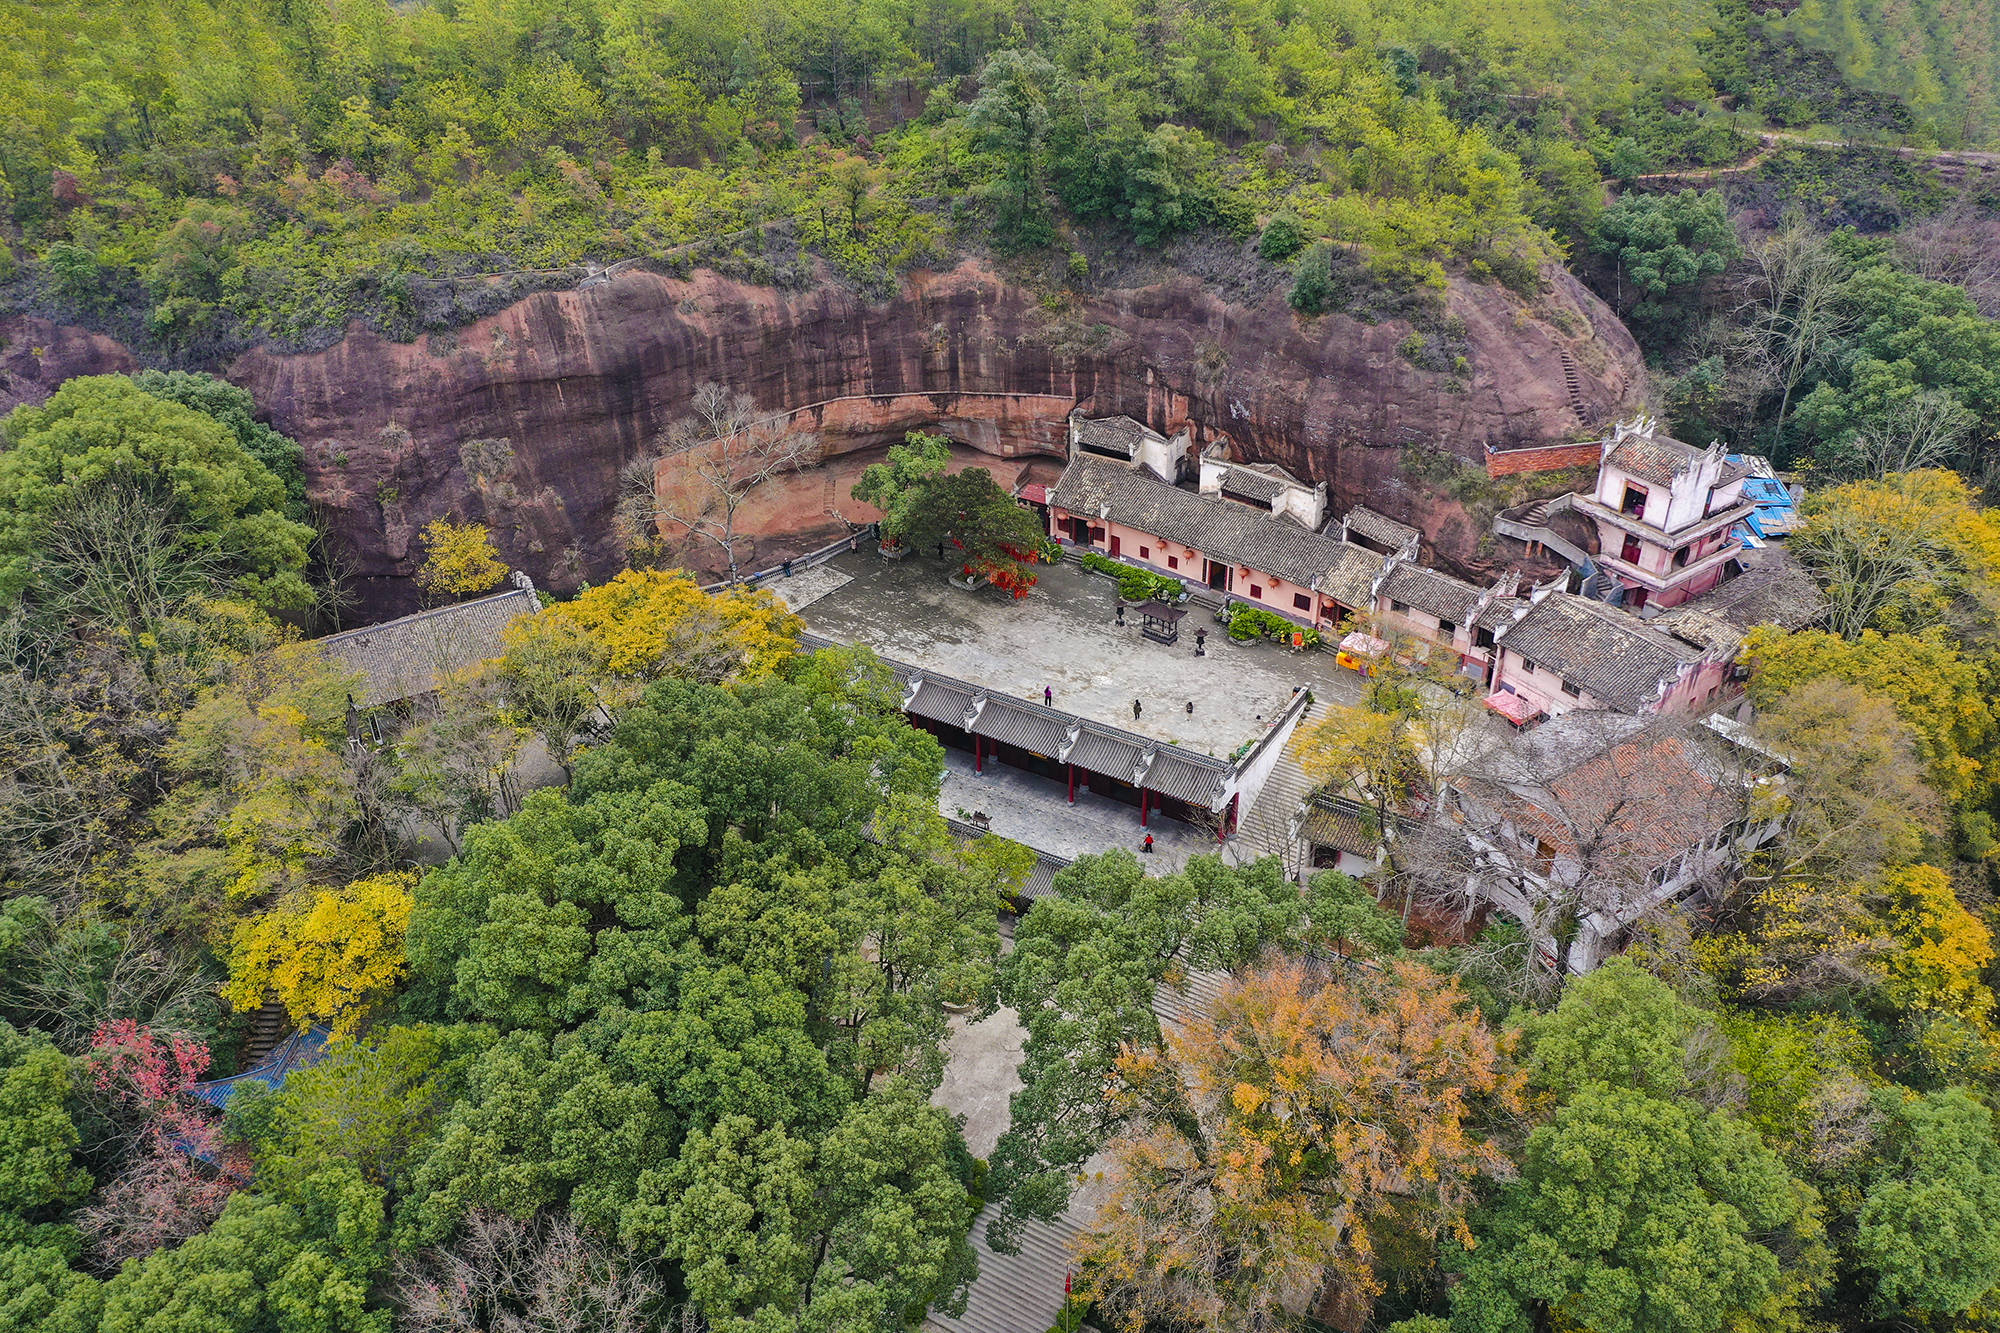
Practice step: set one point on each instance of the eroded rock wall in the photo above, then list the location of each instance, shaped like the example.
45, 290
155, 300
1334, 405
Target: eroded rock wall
36, 355
524, 419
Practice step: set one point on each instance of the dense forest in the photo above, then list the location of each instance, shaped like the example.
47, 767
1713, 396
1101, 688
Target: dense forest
654, 1047
197, 174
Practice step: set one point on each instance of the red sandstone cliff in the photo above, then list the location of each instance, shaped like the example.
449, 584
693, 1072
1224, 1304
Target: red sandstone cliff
36, 356
524, 419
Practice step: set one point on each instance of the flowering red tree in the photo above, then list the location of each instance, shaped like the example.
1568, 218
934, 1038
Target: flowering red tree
133, 1062
1012, 578
178, 1172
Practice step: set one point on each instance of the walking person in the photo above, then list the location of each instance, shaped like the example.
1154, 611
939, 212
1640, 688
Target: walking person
1148, 848
1048, 697
1135, 710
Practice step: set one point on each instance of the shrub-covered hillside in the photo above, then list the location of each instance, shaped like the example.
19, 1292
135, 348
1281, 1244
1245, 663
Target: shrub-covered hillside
199, 173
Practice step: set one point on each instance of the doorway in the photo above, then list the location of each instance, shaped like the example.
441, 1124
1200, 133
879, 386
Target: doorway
1079, 531
1218, 575
1114, 543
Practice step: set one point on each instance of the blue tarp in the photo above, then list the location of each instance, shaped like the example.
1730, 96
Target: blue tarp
294, 1052
1776, 513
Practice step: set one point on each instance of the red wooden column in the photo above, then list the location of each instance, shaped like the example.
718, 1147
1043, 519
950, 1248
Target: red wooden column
976, 767
1142, 807
1072, 782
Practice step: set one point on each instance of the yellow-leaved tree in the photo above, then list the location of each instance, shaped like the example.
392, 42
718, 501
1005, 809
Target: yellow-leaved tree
658, 622
1941, 950
1895, 554
1280, 1152
598, 651
325, 953
458, 559
1939, 692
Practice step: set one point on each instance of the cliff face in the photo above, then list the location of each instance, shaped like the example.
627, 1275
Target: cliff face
524, 419
37, 355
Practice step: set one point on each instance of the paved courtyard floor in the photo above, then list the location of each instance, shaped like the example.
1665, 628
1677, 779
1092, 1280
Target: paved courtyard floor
1035, 810
1063, 635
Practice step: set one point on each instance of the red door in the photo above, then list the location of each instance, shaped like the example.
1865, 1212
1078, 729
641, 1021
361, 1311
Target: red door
1630, 555
1114, 543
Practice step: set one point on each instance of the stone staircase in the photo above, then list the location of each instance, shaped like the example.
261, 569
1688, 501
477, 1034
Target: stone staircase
268, 1026
1021, 1292
1268, 830
1024, 1292
1573, 386
1530, 523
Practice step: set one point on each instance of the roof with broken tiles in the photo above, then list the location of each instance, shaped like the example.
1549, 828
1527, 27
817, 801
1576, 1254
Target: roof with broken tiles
1365, 522
1618, 658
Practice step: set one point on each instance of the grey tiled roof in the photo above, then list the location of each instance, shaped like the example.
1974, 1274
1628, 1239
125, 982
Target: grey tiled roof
401, 659
1012, 722
1118, 434
1187, 776
1331, 827
1102, 750
1430, 590
1350, 580
1125, 755
1252, 485
1613, 655
1042, 879
1653, 457
1773, 589
1694, 624
940, 700
1221, 529
1380, 527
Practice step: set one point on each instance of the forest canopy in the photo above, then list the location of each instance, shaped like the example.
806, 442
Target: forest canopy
201, 175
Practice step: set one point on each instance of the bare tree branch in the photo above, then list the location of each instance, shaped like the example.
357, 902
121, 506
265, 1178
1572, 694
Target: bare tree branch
701, 470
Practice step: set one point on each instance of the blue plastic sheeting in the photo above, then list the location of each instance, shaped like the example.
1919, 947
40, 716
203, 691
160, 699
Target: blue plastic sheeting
1775, 513
294, 1052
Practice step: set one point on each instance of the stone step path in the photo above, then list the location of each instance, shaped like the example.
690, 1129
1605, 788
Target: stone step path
1025, 1291
1573, 384
1021, 1292
268, 1026
1267, 830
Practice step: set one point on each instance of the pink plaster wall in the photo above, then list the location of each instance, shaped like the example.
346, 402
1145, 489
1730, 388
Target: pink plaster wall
1276, 593
1424, 625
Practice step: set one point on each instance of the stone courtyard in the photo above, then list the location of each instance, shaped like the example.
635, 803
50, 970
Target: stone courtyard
1064, 635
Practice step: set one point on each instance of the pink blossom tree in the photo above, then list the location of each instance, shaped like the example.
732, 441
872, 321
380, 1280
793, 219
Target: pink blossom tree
177, 1171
